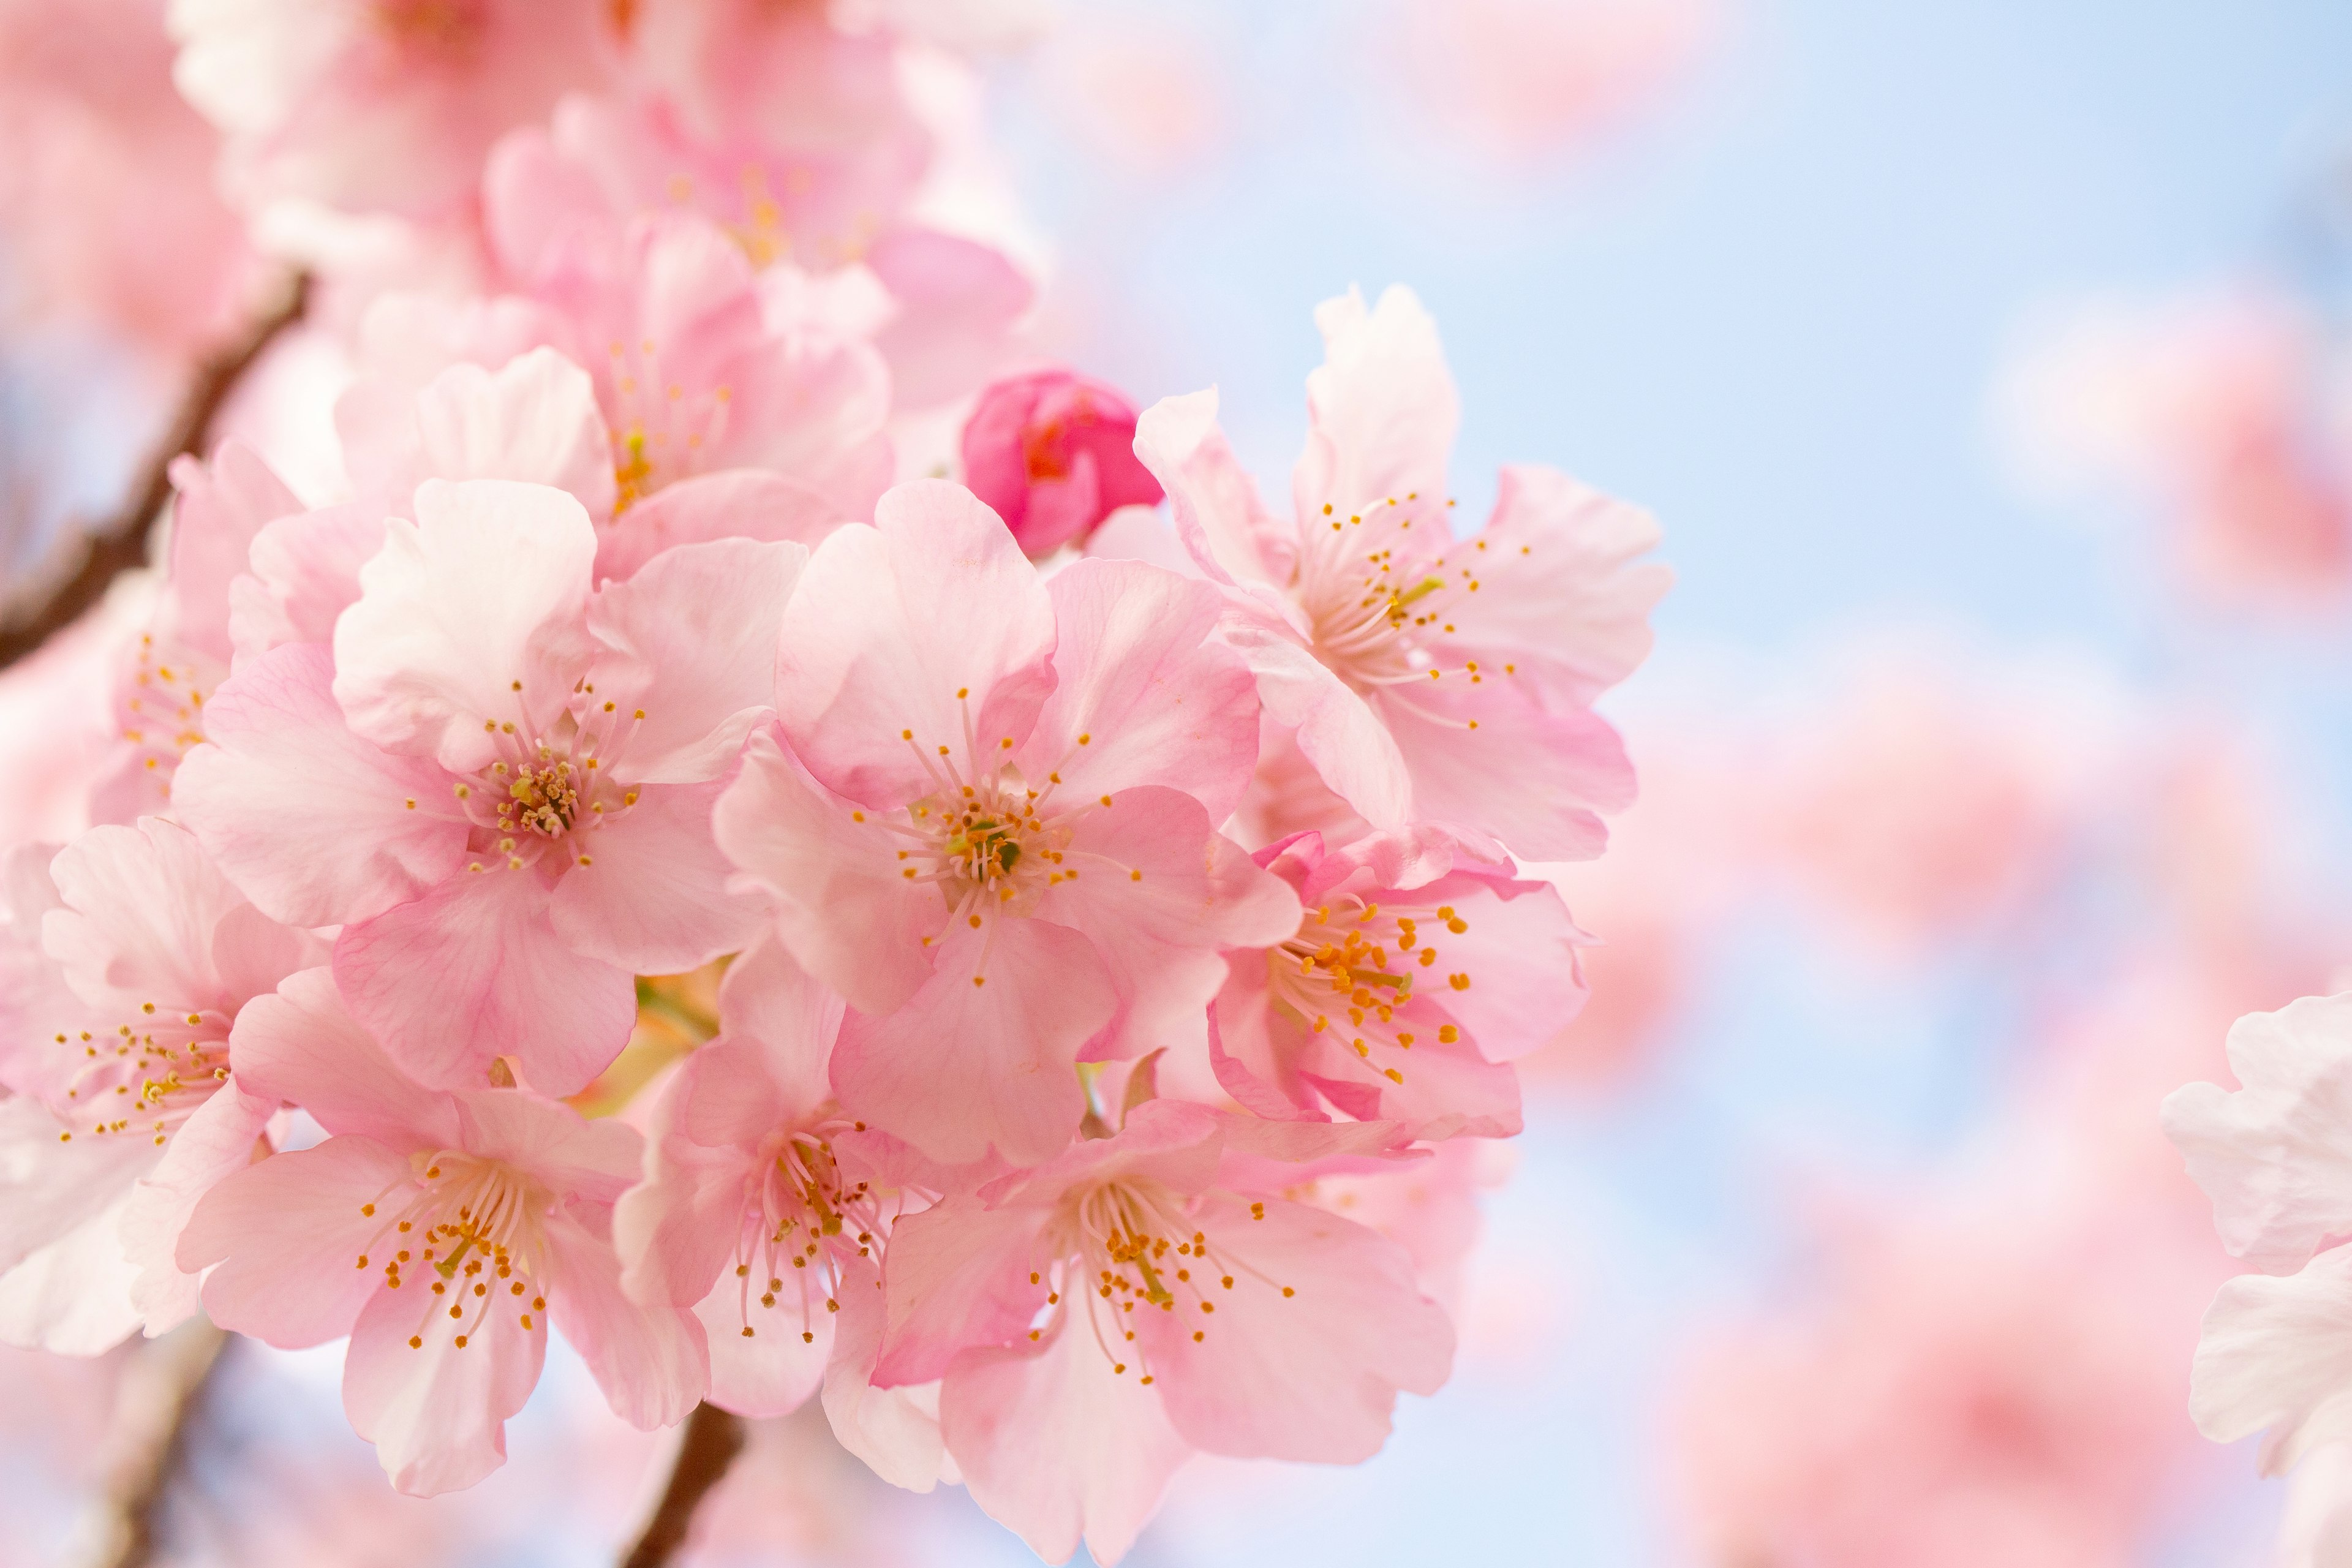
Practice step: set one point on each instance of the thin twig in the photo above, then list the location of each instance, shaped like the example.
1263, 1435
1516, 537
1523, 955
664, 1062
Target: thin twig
708, 1445
79, 577
161, 1393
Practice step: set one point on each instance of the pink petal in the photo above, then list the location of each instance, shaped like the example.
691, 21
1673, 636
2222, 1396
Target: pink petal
1218, 516
2271, 1155
1383, 405
221, 506
252, 796
2277, 1353
1055, 1446
959, 1277
1535, 780
1160, 935
304, 571
774, 1371
436, 1413
287, 1234
986, 1055
469, 618
51, 1187
890, 622
1345, 740
217, 1140
894, 1430
649, 1361
647, 891
840, 907
72, 1297
1309, 1376
301, 1046
677, 1229
691, 641
1137, 673
142, 907
534, 420
474, 970
770, 1006
734, 503
1562, 594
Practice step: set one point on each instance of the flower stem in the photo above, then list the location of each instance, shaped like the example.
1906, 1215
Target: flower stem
77, 574
160, 1395
706, 1447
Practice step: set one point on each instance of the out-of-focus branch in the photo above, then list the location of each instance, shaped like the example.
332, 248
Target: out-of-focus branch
708, 1445
77, 577
159, 1395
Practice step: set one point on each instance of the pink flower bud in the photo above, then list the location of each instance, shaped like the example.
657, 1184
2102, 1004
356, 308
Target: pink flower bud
1053, 454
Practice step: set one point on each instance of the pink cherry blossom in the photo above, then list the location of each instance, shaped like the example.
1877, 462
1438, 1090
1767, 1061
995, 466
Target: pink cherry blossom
105, 157
1096, 1319
520, 772
1053, 454
184, 654
443, 1232
767, 1212
1427, 679
379, 105
129, 961
993, 832
1485, 968
695, 368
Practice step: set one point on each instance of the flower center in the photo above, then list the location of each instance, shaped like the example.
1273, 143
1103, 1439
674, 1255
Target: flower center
662, 432
802, 1218
151, 1076
1122, 1244
1360, 966
536, 802
472, 1230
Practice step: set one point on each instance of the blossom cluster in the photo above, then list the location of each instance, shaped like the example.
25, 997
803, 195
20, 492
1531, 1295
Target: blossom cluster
653, 858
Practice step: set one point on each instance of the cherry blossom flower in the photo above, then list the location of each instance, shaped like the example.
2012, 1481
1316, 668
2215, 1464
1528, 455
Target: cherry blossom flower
993, 833
1098, 1319
103, 157
379, 105
1053, 454
1332, 1016
765, 1210
443, 1232
184, 652
129, 960
521, 771
1428, 679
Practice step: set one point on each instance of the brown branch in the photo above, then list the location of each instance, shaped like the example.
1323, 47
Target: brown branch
708, 1445
91, 559
160, 1395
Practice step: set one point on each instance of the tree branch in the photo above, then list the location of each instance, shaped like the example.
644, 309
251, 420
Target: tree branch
708, 1446
160, 1395
79, 577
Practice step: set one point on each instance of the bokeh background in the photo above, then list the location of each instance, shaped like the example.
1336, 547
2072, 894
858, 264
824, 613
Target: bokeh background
1987, 366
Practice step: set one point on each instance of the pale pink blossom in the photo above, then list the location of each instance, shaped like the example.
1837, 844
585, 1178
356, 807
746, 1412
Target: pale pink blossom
1533, 80
1053, 454
443, 1232
993, 832
500, 784
108, 181
767, 1212
695, 369
129, 960
2223, 414
1957, 1389
379, 105
1484, 968
184, 652
1095, 1321
1427, 679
